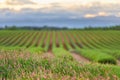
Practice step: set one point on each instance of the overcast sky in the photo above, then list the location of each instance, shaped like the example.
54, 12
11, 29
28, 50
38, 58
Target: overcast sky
72, 13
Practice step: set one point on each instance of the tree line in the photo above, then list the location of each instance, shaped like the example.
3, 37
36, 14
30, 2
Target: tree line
58, 28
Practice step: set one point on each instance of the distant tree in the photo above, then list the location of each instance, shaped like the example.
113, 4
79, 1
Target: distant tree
6, 26
117, 27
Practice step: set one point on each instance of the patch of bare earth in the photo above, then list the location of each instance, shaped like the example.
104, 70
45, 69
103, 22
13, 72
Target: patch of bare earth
51, 42
79, 58
118, 62
48, 55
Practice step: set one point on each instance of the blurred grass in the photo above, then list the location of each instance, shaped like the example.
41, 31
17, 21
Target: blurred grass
16, 65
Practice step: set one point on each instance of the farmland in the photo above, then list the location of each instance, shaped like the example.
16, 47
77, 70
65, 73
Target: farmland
60, 54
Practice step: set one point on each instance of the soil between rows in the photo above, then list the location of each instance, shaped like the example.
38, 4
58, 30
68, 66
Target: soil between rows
79, 58
76, 56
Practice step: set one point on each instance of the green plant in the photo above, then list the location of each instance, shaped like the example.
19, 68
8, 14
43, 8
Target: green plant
98, 56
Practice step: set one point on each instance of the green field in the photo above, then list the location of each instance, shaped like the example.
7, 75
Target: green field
60, 55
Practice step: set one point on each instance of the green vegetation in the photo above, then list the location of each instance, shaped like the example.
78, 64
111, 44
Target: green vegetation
116, 27
115, 53
61, 52
22, 52
22, 66
98, 56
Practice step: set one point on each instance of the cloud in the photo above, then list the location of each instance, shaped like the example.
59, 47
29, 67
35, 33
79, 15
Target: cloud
118, 14
17, 5
18, 2
90, 15
25, 11
79, 9
102, 14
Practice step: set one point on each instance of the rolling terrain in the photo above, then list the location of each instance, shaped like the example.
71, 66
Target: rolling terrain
63, 54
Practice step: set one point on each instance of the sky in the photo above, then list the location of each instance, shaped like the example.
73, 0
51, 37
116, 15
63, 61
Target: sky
61, 13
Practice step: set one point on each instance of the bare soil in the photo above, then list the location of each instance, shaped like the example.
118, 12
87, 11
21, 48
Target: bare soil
118, 62
50, 47
48, 55
79, 58
51, 42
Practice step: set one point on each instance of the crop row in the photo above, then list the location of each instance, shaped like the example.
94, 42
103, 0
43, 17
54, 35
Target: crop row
82, 39
94, 45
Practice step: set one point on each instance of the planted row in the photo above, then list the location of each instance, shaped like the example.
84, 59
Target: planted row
98, 56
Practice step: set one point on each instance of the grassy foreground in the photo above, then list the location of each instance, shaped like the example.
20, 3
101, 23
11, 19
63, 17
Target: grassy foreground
16, 65
24, 55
